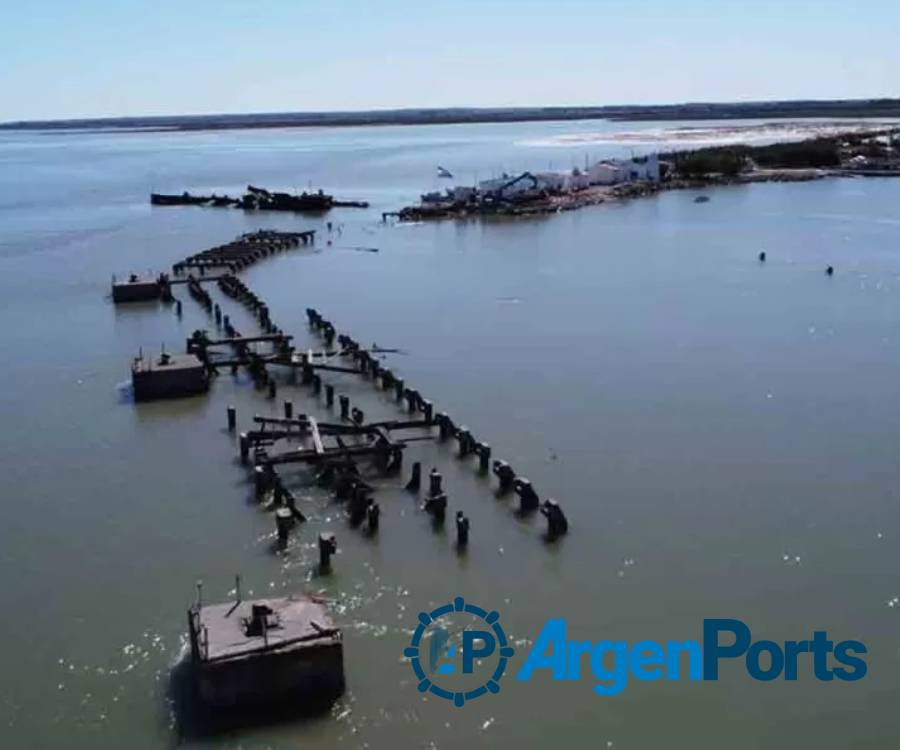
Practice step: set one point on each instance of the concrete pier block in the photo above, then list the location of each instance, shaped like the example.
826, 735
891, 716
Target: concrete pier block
168, 376
235, 666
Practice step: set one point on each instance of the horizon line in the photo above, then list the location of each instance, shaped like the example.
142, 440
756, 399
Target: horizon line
420, 114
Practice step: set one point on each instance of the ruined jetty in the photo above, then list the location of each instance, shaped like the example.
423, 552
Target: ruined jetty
168, 376
341, 450
244, 251
259, 199
265, 651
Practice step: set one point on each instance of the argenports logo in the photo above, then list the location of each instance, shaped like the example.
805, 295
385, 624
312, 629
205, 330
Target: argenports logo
464, 649
455, 657
612, 663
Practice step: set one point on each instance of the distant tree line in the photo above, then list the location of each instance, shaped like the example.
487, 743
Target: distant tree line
730, 160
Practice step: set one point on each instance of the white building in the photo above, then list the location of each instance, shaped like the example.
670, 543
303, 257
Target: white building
614, 171
606, 173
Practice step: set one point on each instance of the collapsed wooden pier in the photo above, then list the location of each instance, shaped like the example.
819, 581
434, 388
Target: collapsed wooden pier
245, 250
253, 652
337, 450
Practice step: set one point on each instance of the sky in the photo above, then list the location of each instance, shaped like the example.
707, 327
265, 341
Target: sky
85, 58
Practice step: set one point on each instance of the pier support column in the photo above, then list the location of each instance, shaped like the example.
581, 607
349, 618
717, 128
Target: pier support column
528, 499
284, 522
327, 547
505, 475
373, 512
462, 530
557, 523
436, 506
415, 479
465, 441
434, 482
260, 483
484, 456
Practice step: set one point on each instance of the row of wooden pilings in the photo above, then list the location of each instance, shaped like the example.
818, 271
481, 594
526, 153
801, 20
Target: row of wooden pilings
233, 287
245, 250
370, 367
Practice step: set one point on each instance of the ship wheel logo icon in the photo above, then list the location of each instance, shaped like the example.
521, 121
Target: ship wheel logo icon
459, 652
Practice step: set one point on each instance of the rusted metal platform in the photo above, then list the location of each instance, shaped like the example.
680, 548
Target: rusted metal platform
265, 650
168, 376
138, 289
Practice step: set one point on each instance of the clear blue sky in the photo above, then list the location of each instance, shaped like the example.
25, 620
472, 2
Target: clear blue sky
72, 58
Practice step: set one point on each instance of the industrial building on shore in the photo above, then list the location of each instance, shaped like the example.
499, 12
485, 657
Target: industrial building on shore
528, 185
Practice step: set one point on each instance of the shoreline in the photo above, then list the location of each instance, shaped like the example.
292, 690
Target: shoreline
597, 195
863, 153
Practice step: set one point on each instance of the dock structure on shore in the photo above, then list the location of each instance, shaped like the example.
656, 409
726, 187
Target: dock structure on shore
264, 651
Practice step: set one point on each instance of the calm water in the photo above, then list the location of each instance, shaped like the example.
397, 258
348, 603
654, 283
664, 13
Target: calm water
722, 435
